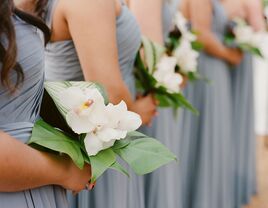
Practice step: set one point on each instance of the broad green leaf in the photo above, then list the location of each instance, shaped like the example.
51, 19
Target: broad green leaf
124, 142
145, 155
118, 167
50, 138
101, 162
121, 144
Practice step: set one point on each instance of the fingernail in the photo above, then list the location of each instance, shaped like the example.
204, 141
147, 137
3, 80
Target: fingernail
91, 186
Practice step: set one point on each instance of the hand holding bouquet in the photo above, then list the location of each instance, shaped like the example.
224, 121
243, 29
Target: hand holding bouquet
102, 132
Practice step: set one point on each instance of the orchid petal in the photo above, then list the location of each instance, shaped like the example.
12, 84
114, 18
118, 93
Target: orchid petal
130, 122
72, 97
93, 144
79, 124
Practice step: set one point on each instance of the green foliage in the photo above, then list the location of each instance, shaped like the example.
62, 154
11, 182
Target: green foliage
101, 162
50, 138
145, 155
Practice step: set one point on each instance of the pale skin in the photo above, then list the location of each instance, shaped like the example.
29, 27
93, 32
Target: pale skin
200, 13
151, 25
251, 10
23, 168
92, 27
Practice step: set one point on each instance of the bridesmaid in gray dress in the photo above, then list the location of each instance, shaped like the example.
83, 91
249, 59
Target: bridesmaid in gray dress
242, 92
162, 187
65, 60
206, 141
27, 175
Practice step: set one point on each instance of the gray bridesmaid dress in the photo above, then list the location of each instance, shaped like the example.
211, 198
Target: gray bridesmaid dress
18, 113
113, 189
206, 140
243, 130
162, 187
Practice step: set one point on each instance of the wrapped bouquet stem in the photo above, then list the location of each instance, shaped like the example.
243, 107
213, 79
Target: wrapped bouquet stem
100, 132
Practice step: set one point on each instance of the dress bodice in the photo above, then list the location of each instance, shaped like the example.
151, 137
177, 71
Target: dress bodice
19, 110
220, 19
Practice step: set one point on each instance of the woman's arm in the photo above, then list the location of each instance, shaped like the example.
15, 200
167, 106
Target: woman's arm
149, 16
92, 26
201, 18
23, 168
254, 12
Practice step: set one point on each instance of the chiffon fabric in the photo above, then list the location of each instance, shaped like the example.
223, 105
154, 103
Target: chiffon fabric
162, 187
113, 189
206, 170
243, 131
19, 111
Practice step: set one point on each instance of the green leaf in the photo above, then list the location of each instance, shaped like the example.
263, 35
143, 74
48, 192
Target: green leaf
118, 167
50, 138
145, 155
119, 144
101, 162
197, 46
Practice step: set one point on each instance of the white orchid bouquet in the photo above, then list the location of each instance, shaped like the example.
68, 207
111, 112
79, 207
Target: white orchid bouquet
243, 36
156, 74
182, 43
100, 131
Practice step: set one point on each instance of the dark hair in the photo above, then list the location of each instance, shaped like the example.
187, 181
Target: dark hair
40, 8
8, 54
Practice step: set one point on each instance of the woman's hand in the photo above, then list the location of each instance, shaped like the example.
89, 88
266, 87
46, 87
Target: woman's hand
75, 179
146, 108
233, 56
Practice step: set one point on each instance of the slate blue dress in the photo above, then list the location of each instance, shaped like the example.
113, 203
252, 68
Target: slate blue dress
243, 130
206, 140
19, 111
162, 187
112, 190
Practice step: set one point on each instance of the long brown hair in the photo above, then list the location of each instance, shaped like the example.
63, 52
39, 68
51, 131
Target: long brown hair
8, 53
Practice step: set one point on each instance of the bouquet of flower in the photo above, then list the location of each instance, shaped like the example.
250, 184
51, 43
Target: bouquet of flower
101, 132
183, 45
242, 35
156, 73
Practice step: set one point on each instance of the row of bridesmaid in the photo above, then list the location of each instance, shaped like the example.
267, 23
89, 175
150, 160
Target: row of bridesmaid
98, 41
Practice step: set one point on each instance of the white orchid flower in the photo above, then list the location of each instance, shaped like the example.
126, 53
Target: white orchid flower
186, 57
86, 109
120, 122
182, 24
243, 34
166, 75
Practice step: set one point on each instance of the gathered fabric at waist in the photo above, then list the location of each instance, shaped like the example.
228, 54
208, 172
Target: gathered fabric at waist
19, 130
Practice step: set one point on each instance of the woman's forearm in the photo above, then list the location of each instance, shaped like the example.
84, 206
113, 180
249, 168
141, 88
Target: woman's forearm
212, 45
23, 167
